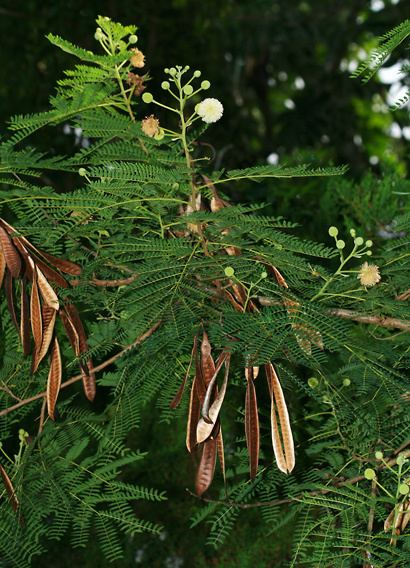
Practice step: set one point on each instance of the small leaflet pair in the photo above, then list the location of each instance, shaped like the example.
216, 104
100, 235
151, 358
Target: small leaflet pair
204, 428
39, 306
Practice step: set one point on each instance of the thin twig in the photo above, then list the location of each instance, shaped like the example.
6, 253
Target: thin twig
42, 415
375, 320
76, 378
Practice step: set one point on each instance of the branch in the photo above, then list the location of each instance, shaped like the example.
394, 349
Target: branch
99, 367
297, 498
375, 320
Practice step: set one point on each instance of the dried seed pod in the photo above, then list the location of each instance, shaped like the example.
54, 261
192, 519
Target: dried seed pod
251, 423
206, 468
54, 379
11, 255
8, 287
47, 292
282, 440
48, 316
9, 489
193, 417
35, 314
210, 414
24, 319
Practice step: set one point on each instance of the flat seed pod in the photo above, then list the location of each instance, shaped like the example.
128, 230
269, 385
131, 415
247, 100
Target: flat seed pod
205, 428
212, 390
252, 427
13, 259
206, 467
48, 294
282, 440
51, 274
24, 319
221, 452
48, 322
207, 362
8, 288
54, 379
2, 267
9, 489
193, 417
89, 383
35, 314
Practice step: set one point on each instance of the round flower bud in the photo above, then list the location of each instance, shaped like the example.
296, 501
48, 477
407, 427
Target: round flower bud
369, 243
352, 233
403, 488
98, 34
378, 455
165, 85
264, 274
340, 244
313, 382
229, 271
369, 253
346, 382
133, 38
359, 241
333, 231
326, 399
82, 172
197, 73
187, 68
166, 70
369, 473
147, 98
401, 459
188, 89
173, 71
205, 85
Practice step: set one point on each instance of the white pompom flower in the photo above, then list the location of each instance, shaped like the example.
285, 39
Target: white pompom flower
369, 275
210, 110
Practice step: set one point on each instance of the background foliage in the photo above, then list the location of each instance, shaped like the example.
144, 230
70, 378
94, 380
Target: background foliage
256, 54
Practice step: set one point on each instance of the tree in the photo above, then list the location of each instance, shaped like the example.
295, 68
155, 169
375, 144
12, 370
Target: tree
147, 277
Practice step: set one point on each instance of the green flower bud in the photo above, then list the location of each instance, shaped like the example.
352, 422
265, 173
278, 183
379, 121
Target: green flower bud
340, 244
369, 473
205, 85
401, 459
160, 134
165, 85
264, 274
352, 233
313, 382
333, 231
326, 399
346, 382
197, 73
173, 71
133, 38
378, 455
98, 34
369, 253
187, 68
82, 172
229, 271
369, 243
147, 98
188, 89
403, 488
359, 241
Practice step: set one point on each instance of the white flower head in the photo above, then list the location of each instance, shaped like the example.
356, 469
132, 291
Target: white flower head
210, 110
369, 275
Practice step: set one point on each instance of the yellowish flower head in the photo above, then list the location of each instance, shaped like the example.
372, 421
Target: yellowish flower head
138, 58
150, 126
210, 110
369, 275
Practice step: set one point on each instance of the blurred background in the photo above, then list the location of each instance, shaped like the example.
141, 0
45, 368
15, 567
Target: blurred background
282, 71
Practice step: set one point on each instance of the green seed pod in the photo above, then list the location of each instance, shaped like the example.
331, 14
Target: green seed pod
333, 231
